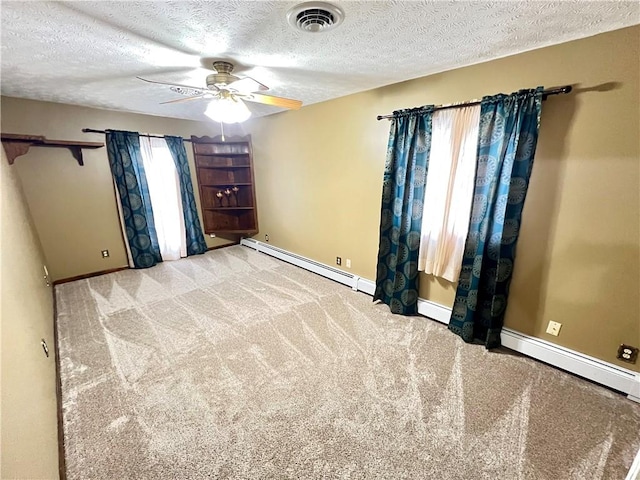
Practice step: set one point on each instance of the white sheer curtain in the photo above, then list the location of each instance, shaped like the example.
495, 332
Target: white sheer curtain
449, 191
166, 203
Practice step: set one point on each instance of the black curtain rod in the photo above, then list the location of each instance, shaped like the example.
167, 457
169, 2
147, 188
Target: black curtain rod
91, 130
545, 94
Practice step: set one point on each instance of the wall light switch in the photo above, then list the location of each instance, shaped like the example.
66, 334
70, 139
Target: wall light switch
45, 347
554, 328
46, 276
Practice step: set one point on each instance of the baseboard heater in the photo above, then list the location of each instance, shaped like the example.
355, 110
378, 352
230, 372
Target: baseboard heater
607, 374
327, 271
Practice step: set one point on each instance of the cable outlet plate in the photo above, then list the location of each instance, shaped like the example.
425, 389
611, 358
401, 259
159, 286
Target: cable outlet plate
554, 328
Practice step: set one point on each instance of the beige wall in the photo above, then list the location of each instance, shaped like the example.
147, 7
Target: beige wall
319, 173
29, 420
73, 207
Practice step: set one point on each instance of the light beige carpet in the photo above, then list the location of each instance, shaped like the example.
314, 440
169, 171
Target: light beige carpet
236, 365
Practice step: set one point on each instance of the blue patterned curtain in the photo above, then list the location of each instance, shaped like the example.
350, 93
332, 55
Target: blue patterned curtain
506, 146
404, 180
195, 238
125, 160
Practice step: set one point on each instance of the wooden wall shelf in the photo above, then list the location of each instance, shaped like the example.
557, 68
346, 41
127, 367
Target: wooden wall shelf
16, 145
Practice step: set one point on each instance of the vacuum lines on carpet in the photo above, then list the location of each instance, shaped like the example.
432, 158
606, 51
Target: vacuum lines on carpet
234, 365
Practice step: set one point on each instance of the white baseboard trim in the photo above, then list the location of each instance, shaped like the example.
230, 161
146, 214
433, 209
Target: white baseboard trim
434, 311
591, 368
583, 365
634, 471
366, 286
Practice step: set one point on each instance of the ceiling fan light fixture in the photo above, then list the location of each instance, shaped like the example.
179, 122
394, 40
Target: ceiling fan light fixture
227, 110
315, 17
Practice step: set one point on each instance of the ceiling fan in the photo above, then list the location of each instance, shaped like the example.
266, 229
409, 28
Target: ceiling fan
227, 92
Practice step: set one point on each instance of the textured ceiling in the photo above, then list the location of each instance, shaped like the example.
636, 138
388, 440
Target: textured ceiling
89, 53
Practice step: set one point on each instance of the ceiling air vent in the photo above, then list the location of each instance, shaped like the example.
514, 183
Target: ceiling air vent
315, 17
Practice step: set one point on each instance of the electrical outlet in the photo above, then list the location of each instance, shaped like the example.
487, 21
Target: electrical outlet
212, 235
554, 328
105, 253
348, 263
338, 261
266, 238
627, 353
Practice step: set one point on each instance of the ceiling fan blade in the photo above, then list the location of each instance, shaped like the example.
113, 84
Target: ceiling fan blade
179, 100
247, 85
275, 101
199, 89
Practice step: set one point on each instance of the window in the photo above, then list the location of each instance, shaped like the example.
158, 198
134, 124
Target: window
166, 203
449, 191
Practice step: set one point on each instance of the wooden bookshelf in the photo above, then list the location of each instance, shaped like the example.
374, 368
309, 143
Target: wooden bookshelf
224, 168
